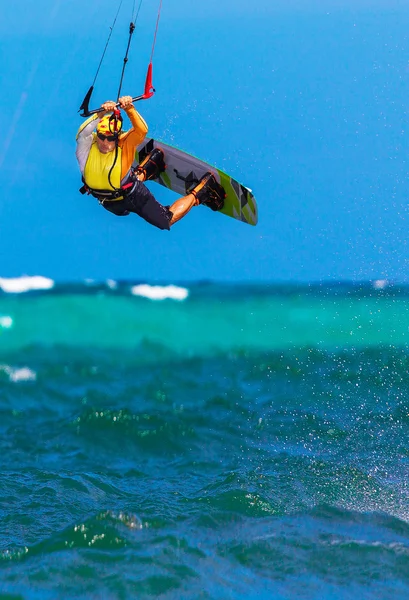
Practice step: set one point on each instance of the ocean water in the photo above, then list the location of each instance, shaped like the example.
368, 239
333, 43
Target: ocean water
203, 441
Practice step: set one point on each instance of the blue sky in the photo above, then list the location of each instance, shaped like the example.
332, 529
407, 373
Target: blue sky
304, 102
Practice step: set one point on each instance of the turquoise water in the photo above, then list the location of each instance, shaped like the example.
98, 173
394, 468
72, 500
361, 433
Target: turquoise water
243, 442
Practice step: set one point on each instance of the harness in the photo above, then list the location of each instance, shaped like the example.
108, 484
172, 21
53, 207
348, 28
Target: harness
107, 195
112, 195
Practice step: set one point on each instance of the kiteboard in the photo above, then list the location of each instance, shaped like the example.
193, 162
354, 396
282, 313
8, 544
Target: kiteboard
183, 171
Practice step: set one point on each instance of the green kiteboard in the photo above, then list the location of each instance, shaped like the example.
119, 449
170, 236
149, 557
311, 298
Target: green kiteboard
183, 171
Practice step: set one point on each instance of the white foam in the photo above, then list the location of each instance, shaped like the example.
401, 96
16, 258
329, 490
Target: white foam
6, 322
380, 284
23, 374
17, 285
112, 284
19, 374
159, 292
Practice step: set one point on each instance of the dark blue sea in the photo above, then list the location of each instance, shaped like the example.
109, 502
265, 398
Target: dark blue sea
204, 441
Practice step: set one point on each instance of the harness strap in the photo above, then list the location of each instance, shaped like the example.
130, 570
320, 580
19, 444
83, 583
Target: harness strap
107, 195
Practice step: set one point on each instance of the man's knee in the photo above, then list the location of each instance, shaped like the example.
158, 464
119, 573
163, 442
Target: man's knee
164, 224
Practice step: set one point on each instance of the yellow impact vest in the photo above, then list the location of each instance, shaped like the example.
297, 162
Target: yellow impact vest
99, 165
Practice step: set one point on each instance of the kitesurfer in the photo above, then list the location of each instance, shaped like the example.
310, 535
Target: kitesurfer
105, 159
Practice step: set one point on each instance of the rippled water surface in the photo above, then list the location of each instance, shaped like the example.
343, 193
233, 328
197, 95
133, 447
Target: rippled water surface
234, 443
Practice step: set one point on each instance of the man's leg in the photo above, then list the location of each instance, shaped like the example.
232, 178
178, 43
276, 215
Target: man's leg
180, 207
142, 202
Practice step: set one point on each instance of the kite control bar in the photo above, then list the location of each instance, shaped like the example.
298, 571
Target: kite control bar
149, 89
148, 93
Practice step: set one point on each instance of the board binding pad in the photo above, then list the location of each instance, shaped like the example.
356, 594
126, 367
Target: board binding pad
183, 171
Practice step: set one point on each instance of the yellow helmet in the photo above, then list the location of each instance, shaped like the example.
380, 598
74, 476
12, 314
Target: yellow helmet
109, 125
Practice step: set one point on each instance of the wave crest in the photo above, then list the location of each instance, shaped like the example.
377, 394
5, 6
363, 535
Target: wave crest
18, 285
